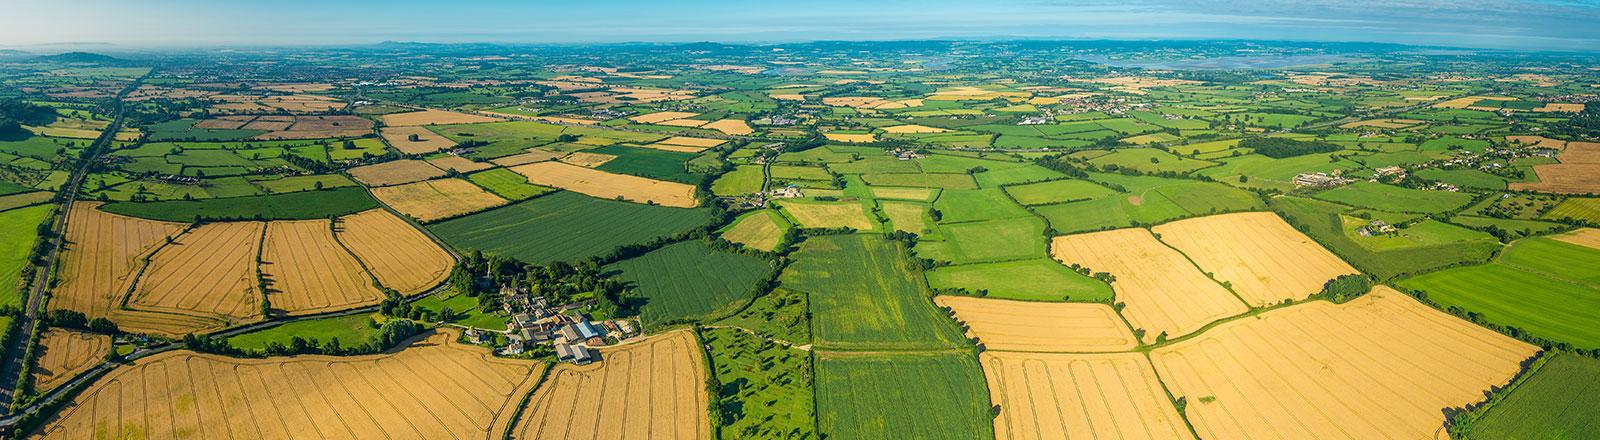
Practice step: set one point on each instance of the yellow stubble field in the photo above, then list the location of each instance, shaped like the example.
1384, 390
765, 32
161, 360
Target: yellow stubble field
1379, 366
1583, 237
606, 185
1009, 325
652, 388
397, 254
437, 199
208, 272
732, 127
66, 354
308, 271
1163, 291
427, 141
434, 388
1079, 396
1265, 260
103, 252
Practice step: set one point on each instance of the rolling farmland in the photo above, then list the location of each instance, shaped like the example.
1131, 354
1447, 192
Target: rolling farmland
307, 271
1079, 396
397, 254
565, 226
688, 280
435, 389
663, 378
882, 396
208, 272
1008, 325
1264, 259
1163, 291
1381, 366
863, 295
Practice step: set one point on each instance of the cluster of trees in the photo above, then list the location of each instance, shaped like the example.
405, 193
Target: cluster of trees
479, 275
1585, 124
1345, 288
78, 321
16, 113
1278, 148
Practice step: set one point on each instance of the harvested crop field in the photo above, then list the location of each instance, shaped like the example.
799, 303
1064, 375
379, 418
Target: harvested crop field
102, 253
434, 388
1578, 172
209, 272
760, 230
1163, 291
1582, 237
851, 138
433, 117
813, 214
586, 159
1079, 396
1380, 366
67, 353
608, 185
398, 255
427, 141
307, 271
395, 172
1264, 259
437, 199
459, 164
732, 127
659, 117
652, 388
1009, 325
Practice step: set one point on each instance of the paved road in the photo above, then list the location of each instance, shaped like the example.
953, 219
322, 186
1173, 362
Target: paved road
10, 374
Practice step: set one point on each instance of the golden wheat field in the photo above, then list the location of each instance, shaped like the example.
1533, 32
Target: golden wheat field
102, 253
427, 141
397, 254
814, 214
1163, 291
586, 159
652, 388
66, 354
307, 270
208, 272
1079, 396
1379, 366
1265, 260
1583, 237
434, 388
731, 127
437, 199
606, 185
1009, 325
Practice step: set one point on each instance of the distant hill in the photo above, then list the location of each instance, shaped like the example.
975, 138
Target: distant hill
80, 57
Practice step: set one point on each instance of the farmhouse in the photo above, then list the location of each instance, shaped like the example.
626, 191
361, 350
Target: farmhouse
576, 354
1318, 180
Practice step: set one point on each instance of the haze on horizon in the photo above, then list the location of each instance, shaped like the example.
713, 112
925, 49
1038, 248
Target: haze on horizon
1562, 25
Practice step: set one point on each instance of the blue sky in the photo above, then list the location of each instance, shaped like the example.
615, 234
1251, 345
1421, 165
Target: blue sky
1514, 24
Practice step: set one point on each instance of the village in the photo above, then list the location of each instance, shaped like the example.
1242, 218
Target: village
535, 325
